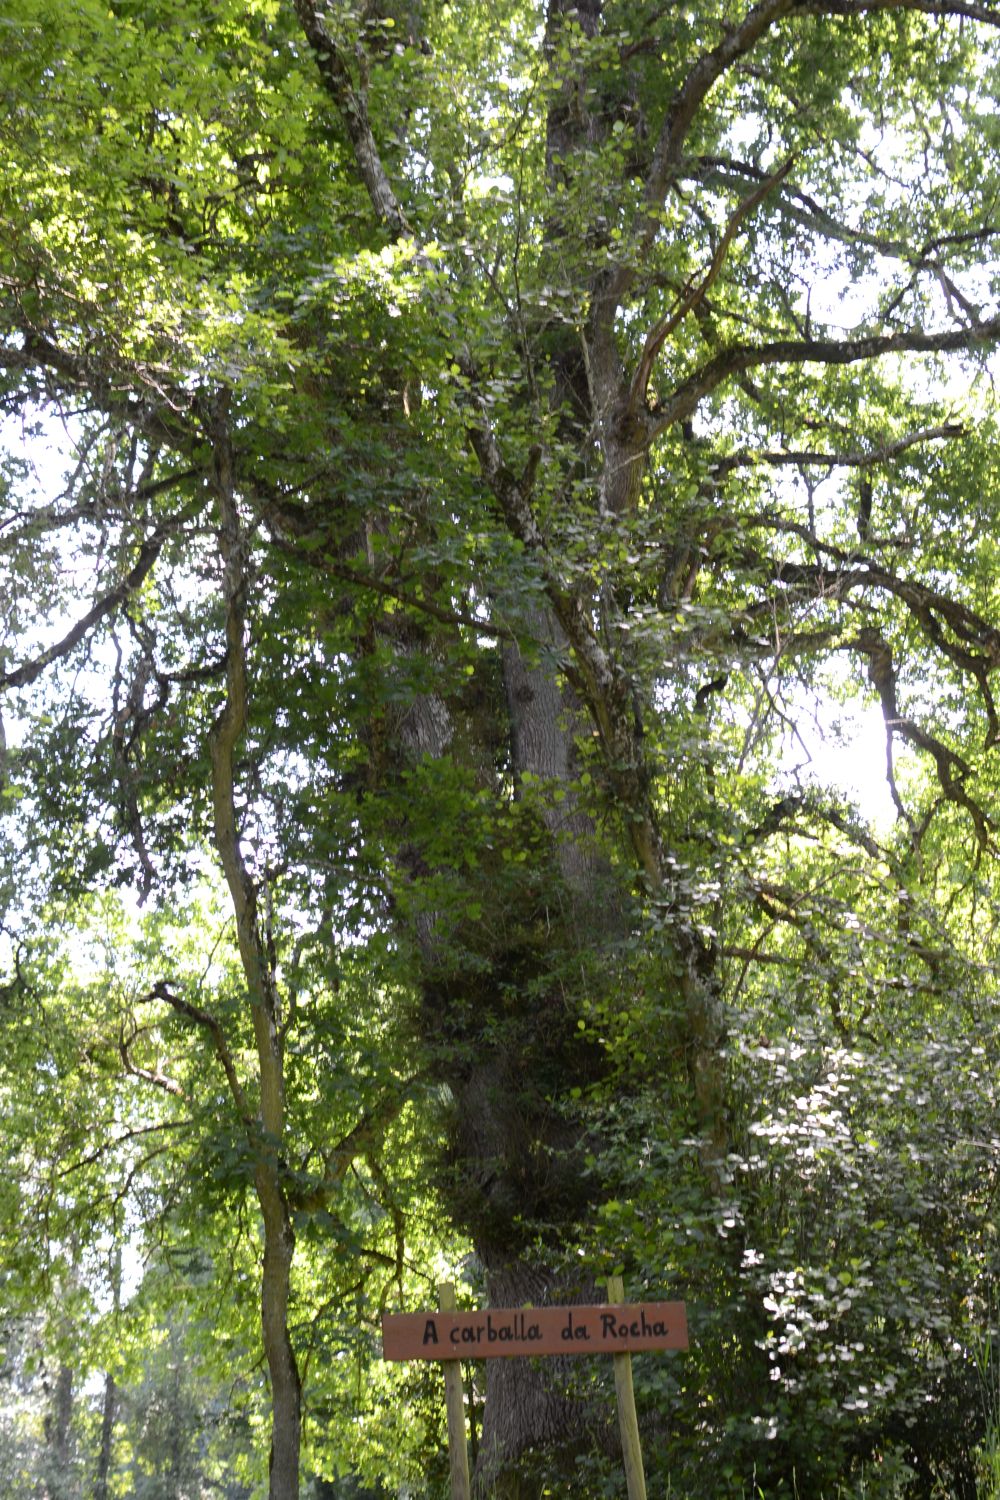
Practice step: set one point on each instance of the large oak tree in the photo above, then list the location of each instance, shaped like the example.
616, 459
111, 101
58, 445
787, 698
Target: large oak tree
490, 421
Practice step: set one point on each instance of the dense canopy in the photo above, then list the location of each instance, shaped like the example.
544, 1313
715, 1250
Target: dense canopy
460, 461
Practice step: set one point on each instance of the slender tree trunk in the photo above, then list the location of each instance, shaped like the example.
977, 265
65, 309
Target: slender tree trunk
58, 1426
58, 1432
109, 1405
109, 1409
286, 1390
267, 1132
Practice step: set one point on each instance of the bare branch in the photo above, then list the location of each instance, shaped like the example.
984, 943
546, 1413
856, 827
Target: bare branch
352, 104
706, 72
162, 410
737, 43
123, 1139
150, 550
952, 769
162, 991
157, 1078
358, 1141
969, 10
924, 602
853, 459
658, 335
806, 210
755, 956
740, 358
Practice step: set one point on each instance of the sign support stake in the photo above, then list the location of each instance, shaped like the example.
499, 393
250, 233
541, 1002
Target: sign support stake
458, 1452
628, 1421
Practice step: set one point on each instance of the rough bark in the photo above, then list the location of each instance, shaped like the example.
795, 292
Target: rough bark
526, 1406
544, 715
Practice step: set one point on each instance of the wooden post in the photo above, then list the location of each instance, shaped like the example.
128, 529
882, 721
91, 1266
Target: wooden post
458, 1453
628, 1422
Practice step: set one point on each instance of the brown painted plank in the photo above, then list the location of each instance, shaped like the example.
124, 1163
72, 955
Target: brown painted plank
499, 1331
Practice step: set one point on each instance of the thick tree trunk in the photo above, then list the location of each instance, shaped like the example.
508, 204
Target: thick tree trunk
526, 1406
544, 716
500, 1007
507, 1019
533, 1158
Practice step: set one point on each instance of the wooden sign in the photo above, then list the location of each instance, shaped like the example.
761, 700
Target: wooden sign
619, 1328
615, 1327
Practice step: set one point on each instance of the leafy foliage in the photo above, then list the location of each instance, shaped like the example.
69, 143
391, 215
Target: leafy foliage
491, 431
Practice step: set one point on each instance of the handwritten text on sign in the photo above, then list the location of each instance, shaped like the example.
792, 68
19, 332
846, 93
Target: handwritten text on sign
609, 1329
